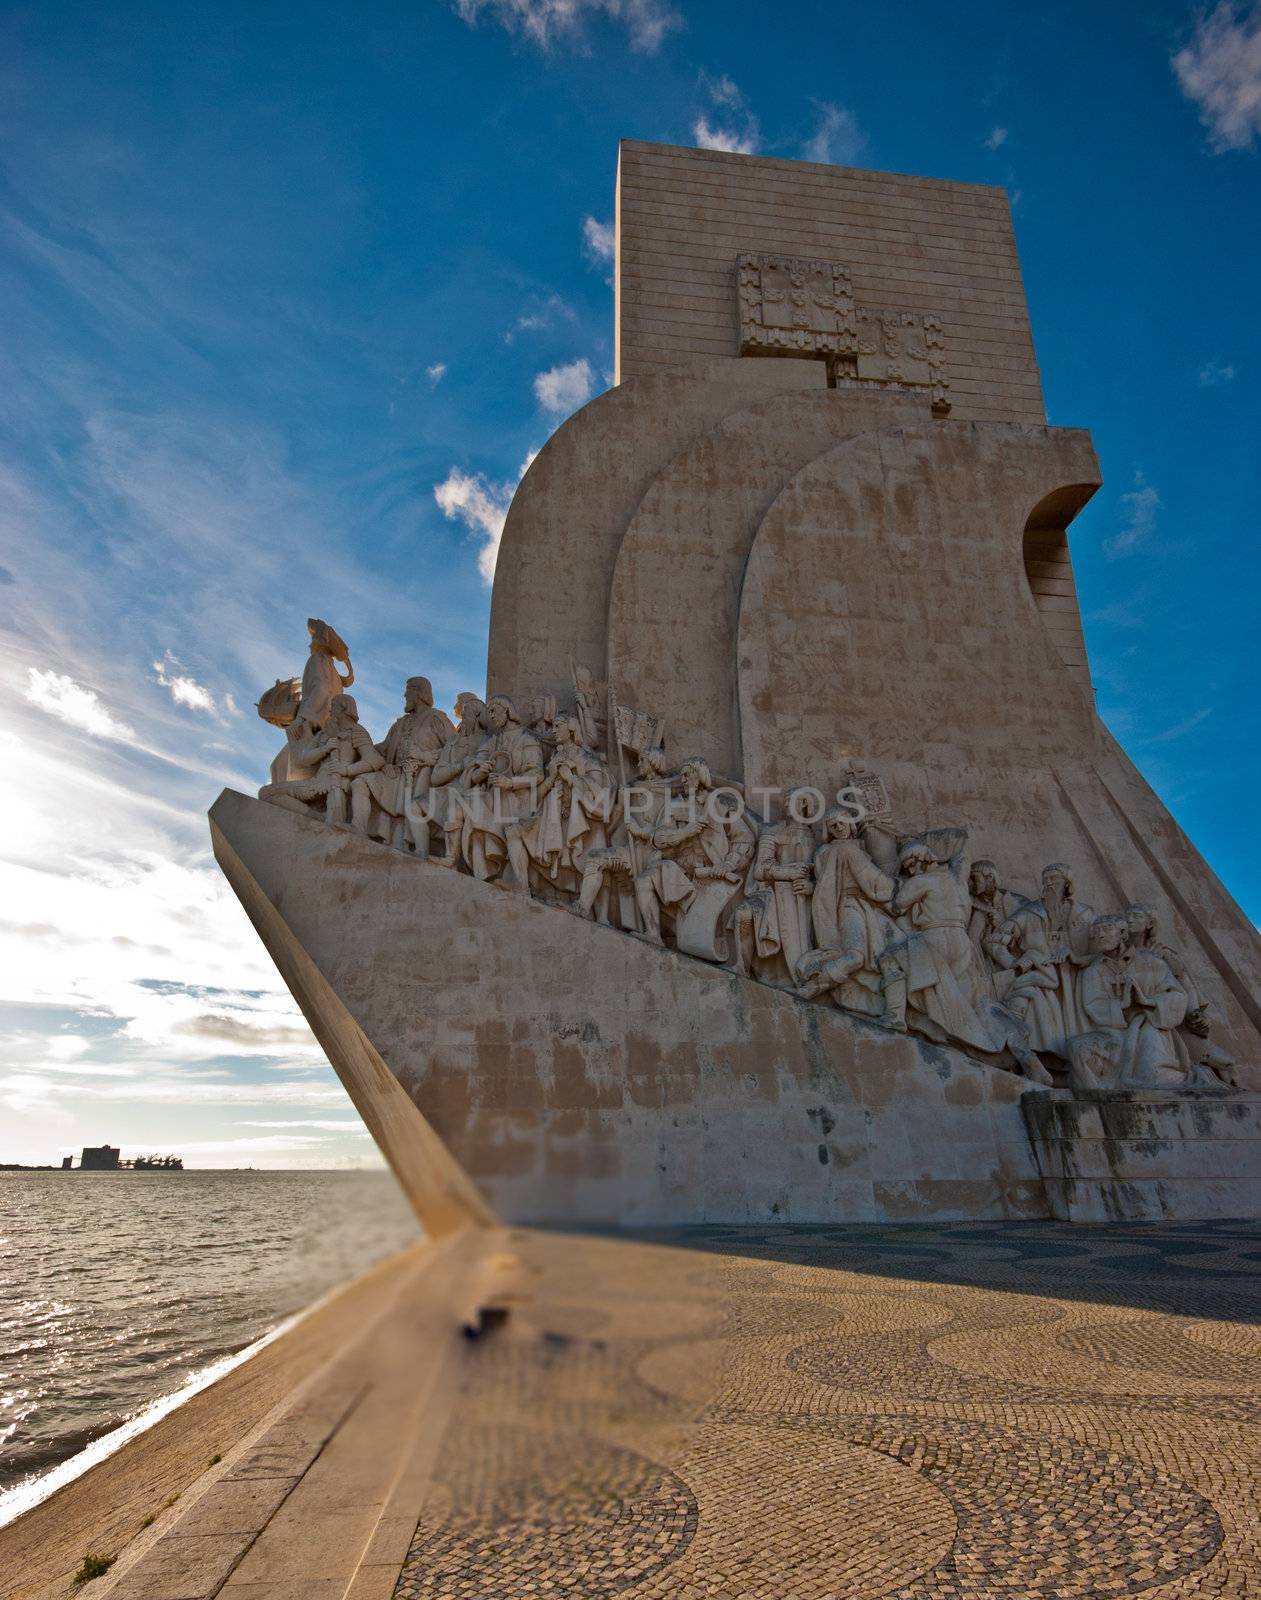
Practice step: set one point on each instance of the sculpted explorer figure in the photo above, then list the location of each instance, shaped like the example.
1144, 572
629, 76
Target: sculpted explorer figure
991, 903
1134, 996
449, 773
697, 840
610, 870
336, 756
303, 709
503, 780
399, 790
773, 923
851, 922
321, 681
931, 973
1046, 938
575, 807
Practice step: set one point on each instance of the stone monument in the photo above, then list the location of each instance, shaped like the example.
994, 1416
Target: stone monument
829, 894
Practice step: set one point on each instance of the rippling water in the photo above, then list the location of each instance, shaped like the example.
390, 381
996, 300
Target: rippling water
117, 1288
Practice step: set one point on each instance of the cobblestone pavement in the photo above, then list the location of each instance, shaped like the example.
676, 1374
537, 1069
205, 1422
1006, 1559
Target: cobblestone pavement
1007, 1411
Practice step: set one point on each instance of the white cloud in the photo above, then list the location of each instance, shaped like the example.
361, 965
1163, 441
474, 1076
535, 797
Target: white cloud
734, 128
186, 691
436, 373
647, 22
327, 1125
1140, 504
710, 137
1215, 372
1220, 70
995, 138
837, 138
565, 388
76, 704
543, 314
482, 506
598, 239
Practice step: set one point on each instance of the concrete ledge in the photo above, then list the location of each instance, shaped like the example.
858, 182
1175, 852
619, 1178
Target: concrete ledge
312, 1502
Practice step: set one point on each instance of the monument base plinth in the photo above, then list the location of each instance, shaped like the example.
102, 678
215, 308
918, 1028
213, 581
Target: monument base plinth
1122, 1156
506, 1051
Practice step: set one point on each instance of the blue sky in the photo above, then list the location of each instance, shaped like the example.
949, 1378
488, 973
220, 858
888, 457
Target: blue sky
291, 294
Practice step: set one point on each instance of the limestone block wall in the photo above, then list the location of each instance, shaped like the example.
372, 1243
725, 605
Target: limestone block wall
921, 244
565, 525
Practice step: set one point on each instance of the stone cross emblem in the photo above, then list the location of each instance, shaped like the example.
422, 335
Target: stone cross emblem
793, 306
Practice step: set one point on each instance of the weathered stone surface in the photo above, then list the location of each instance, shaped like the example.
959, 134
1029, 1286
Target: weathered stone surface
685, 216
578, 1073
567, 518
1117, 1157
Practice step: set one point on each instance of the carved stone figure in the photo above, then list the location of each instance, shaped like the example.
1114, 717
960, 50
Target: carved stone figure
1027, 981
336, 756
772, 924
1157, 1005
449, 773
1144, 926
1136, 1000
851, 921
302, 710
589, 707
576, 802
1203, 1054
701, 850
1094, 1060
991, 903
321, 681
1133, 995
1042, 947
932, 977
391, 802
279, 707
608, 872
503, 781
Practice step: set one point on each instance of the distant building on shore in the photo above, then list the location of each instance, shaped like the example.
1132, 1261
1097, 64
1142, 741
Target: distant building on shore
99, 1158
108, 1158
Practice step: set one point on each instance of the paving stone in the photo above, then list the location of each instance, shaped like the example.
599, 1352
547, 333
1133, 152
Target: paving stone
1006, 1411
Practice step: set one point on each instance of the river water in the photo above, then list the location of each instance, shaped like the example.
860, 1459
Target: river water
117, 1289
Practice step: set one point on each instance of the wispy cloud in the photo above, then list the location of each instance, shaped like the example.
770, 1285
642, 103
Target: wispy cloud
546, 22
1179, 729
325, 1124
995, 139
563, 389
1214, 372
541, 315
837, 138
186, 691
60, 696
1139, 507
733, 127
1220, 71
482, 506
436, 373
598, 240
